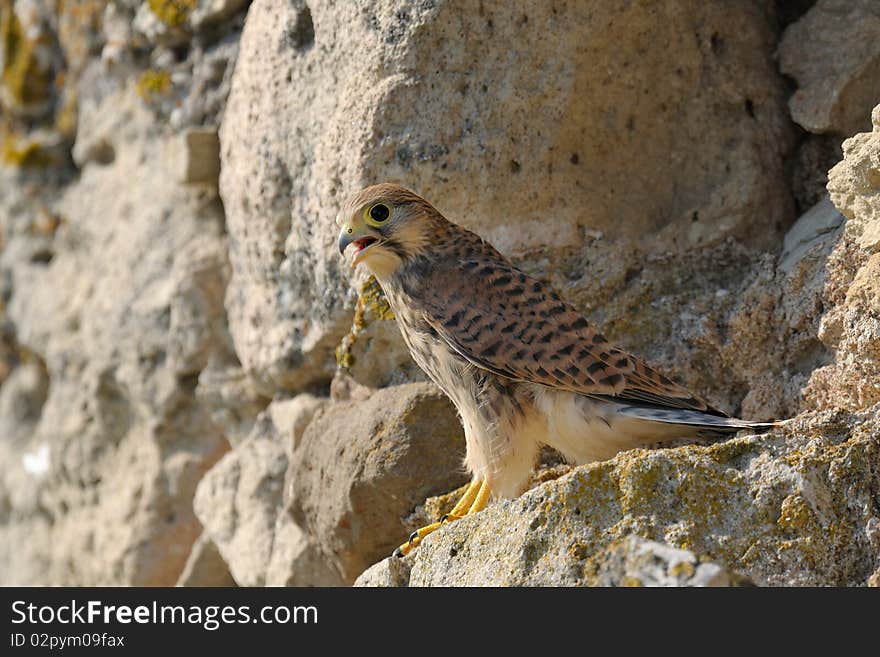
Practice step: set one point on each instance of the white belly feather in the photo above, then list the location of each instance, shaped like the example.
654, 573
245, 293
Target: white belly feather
585, 430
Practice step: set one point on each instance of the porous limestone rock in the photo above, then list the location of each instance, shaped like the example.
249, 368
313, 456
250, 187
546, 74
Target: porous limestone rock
362, 467
230, 397
292, 416
240, 504
833, 52
389, 573
631, 561
22, 396
112, 286
851, 325
373, 353
205, 566
854, 185
196, 156
295, 560
766, 332
238, 501
736, 326
797, 506
125, 310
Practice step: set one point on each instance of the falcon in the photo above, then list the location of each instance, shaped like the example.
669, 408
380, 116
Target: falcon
523, 367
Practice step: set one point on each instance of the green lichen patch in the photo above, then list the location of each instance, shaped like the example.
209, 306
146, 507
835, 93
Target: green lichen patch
578, 550
436, 507
173, 13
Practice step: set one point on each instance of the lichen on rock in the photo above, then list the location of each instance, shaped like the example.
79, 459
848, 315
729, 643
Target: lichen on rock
27, 73
173, 12
152, 83
371, 306
27, 152
787, 508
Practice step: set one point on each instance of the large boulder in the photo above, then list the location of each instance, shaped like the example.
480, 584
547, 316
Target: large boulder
833, 52
794, 507
363, 466
240, 504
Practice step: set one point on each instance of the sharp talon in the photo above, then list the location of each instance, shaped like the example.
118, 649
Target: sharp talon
397, 553
473, 500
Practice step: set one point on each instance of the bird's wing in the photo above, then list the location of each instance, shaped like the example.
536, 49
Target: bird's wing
515, 326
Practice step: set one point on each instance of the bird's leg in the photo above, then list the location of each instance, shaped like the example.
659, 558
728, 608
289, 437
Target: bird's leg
462, 507
481, 499
474, 499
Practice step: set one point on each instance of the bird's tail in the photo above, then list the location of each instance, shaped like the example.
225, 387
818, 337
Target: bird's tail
696, 419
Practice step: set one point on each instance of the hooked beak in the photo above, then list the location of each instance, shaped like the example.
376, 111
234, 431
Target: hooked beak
361, 239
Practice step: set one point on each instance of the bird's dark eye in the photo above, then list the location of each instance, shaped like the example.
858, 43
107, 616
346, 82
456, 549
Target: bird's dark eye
379, 213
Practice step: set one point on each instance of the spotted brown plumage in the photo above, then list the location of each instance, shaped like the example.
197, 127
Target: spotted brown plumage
516, 327
523, 367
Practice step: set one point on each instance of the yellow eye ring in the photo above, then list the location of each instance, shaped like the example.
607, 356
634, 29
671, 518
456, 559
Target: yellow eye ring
377, 214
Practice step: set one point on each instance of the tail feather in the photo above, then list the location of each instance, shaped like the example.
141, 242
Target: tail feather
693, 418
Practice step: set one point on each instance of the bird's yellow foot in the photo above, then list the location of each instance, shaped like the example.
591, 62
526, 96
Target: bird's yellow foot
474, 500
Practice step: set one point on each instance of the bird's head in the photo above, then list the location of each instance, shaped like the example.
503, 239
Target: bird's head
387, 225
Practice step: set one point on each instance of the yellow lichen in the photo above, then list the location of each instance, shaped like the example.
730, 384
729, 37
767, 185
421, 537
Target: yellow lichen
153, 83
375, 301
578, 550
173, 12
795, 513
26, 79
65, 117
371, 304
682, 568
24, 153
701, 489
437, 506
343, 354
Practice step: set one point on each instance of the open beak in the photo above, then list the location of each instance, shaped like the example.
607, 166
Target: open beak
361, 240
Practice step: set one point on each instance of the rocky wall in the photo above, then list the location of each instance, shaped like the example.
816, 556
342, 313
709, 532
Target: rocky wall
196, 389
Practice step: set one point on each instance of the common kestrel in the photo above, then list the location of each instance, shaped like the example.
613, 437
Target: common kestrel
522, 366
